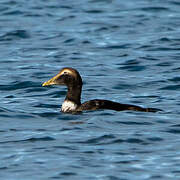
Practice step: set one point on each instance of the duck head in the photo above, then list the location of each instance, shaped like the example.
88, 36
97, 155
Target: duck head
67, 76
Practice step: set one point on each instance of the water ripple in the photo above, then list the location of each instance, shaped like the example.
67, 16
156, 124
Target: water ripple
14, 35
126, 51
30, 140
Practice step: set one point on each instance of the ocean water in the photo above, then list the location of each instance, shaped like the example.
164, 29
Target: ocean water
126, 51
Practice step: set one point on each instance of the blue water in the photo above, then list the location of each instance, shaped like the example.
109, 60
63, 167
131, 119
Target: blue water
126, 51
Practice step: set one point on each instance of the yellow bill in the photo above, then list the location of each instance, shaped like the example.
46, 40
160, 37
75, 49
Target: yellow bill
52, 81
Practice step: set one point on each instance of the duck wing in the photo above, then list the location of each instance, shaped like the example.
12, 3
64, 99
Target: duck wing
106, 104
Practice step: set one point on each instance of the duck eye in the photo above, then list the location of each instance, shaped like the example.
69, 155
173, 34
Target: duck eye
65, 73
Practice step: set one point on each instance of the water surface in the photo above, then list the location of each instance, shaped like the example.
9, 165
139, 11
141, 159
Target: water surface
126, 51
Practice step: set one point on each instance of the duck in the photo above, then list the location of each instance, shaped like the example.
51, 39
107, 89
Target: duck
71, 78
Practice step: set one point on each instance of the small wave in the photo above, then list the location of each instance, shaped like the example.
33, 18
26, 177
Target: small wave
175, 79
155, 9
68, 174
171, 87
47, 114
95, 11
173, 131
133, 68
46, 138
123, 46
98, 139
13, 12
33, 139
13, 35
18, 85
155, 139
136, 141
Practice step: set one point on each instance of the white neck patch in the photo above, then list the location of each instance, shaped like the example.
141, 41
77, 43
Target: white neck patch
68, 106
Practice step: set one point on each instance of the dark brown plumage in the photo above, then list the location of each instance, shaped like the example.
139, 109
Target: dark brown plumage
71, 78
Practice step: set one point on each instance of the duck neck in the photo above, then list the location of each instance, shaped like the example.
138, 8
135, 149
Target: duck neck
74, 94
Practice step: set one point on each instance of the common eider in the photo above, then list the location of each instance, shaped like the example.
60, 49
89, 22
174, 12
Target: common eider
72, 104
